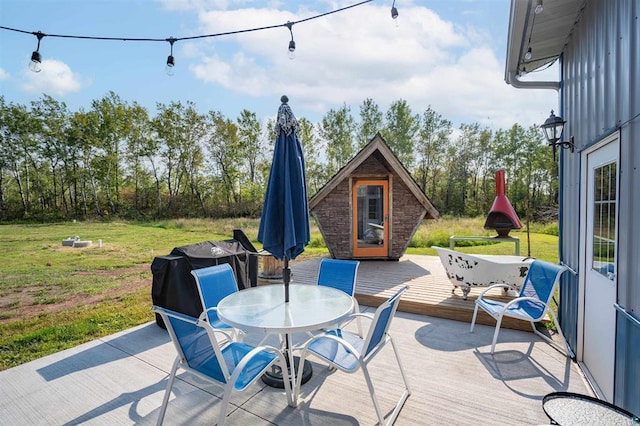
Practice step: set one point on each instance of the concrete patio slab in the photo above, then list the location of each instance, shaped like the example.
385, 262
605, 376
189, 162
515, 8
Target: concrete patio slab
120, 379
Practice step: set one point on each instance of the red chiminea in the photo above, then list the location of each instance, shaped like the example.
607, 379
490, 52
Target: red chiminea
502, 217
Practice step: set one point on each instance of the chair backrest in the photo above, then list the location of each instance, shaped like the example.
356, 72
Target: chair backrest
381, 321
197, 347
540, 283
214, 284
339, 274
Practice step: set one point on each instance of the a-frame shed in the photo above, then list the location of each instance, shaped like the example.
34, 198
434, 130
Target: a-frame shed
372, 207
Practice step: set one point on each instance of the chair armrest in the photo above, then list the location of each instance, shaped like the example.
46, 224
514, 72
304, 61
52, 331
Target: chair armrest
359, 314
210, 329
250, 355
545, 306
340, 340
204, 315
354, 316
501, 285
348, 319
178, 315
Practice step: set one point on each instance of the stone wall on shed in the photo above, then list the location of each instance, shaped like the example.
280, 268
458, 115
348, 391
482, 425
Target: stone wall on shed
333, 215
407, 215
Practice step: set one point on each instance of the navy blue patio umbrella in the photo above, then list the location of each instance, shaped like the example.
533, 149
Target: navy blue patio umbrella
284, 225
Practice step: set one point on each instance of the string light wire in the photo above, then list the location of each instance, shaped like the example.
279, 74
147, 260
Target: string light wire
172, 40
529, 53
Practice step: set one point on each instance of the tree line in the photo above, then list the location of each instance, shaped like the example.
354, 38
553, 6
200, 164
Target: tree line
117, 160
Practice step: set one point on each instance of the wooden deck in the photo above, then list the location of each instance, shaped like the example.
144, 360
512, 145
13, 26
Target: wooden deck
429, 288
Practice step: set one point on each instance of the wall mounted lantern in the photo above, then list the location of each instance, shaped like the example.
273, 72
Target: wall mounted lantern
553, 127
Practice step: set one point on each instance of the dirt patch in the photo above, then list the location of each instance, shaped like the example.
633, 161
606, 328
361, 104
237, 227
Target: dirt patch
22, 304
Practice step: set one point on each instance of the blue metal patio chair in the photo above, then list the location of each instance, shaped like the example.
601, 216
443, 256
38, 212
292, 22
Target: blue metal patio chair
532, 304
214, 283
349, 352
234, 366
341, 275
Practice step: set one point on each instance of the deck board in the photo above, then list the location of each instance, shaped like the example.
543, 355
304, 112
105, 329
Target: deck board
429, 288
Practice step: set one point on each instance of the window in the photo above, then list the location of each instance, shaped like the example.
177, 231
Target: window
604, 220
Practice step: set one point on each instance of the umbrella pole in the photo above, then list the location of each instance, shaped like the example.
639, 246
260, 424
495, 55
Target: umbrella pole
273, 377
286, 278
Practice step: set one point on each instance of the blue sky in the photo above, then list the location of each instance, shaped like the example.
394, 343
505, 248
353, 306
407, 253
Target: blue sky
447, 54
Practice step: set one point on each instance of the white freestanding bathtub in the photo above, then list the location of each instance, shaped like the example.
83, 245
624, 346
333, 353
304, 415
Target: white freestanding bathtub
466, 270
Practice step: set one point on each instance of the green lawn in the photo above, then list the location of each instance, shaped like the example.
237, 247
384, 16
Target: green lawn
54, 297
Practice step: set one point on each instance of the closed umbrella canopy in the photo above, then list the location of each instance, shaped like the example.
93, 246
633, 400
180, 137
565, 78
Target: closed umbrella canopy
284, 225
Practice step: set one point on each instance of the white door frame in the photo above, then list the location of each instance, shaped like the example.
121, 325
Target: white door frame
584, 172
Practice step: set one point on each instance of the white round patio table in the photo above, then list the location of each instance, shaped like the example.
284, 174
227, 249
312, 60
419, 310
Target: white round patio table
572, 409
310, 307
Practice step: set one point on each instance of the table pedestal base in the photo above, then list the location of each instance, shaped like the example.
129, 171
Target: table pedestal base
273, 377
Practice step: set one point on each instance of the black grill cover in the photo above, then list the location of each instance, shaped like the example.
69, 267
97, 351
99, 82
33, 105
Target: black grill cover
173, 285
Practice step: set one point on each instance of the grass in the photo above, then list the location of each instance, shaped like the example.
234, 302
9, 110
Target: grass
544, 243
54, 297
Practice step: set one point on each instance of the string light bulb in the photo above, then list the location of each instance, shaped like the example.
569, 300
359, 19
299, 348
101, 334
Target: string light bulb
36, 61
539, 8
394, 11
292, 49
171, 63
35, 64
292, 43
527, 56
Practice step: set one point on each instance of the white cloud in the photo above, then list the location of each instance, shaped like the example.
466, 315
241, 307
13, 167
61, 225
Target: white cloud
3, 74
182, 5
359, 54
56, 79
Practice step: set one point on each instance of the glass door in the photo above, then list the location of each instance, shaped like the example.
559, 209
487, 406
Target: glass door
370, 218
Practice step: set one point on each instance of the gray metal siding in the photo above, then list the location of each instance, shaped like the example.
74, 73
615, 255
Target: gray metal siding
600, 95
627, 378
568, 310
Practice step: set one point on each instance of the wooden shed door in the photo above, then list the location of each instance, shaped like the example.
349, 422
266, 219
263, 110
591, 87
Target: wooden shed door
370, 229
